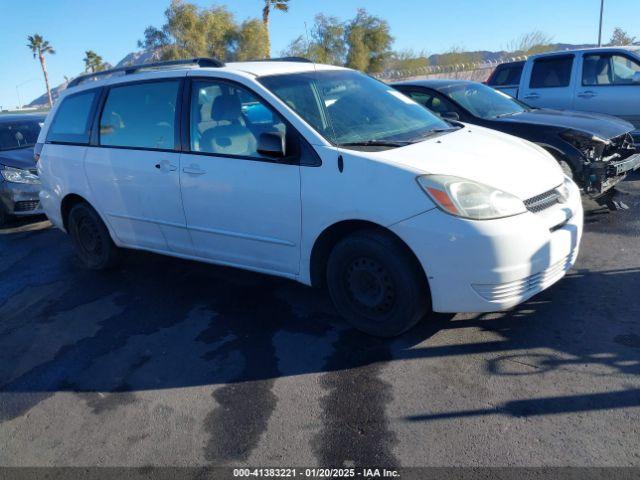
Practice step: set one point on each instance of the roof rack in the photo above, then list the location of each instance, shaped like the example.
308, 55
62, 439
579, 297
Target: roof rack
283, 59
201, 62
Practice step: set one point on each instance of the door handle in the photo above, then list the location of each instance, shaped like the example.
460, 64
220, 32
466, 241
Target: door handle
193, 170
587, 94
166, 166
532, 96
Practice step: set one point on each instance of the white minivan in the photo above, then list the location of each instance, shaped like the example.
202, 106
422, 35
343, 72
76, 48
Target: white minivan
312, 172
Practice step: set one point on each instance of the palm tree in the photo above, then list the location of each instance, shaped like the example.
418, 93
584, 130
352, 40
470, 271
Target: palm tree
39, 46
93, 62
282, 5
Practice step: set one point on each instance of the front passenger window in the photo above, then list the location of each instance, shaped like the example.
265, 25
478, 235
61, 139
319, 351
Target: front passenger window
228, 120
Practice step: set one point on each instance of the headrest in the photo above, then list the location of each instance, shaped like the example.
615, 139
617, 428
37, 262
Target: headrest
226, 108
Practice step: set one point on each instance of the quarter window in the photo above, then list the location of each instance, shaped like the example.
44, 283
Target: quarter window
507, 75
72, 123
553, 72
228, 120
141, 115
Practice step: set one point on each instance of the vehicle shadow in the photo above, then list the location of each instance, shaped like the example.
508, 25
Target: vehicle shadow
25, 224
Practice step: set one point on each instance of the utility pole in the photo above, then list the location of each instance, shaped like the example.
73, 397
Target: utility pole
600, 29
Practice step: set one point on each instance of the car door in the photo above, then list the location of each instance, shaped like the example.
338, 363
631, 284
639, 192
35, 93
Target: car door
132, 166
550, 82
607, 86
242, 208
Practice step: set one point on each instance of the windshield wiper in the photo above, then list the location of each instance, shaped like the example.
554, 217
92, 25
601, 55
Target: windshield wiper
374, 143
502, 115
432, 132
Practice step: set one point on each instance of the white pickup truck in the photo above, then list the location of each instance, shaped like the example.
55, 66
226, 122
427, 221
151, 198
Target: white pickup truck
601, 80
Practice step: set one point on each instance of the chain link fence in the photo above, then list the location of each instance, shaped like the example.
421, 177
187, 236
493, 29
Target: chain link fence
478, 72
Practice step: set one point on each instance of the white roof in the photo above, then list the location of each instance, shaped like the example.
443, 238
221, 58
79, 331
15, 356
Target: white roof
275, 68
258, 68
632, 48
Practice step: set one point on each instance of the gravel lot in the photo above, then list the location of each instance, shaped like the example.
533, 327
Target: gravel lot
169, 362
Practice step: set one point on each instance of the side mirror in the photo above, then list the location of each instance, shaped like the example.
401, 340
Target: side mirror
272, 145
636, 78
450, 116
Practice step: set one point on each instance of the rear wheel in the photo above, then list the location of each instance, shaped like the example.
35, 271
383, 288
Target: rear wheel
376, 284
91, 238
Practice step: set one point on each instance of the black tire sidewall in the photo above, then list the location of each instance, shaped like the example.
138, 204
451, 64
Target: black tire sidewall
412, 296
109, 255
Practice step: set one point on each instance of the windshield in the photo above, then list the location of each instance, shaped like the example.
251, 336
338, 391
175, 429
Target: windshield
19, 134
483, 101
348, 107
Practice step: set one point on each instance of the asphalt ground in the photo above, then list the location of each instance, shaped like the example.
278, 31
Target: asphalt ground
171, 362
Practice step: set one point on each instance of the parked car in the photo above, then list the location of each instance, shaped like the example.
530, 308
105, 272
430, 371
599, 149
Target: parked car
312, 172
595, 150
600, 80
19, 183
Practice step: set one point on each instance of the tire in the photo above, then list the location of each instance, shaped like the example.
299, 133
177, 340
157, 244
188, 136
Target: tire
376, 284
91, 239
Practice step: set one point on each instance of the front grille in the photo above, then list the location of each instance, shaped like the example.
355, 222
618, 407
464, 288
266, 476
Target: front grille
26, 206
543, 201
528, 286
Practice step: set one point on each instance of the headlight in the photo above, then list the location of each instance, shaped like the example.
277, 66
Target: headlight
591, 146
468, 199
18, 175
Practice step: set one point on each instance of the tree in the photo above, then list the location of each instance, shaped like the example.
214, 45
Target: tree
281, 5
190, 31
40, 47
620, 37
531, 43
408, 60
93, 62
253, 41
456, 56
326, 43
368, 41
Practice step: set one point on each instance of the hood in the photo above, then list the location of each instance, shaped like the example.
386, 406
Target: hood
486, 156
18, 158
604, 126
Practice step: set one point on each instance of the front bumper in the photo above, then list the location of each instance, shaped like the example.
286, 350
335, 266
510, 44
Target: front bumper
20, 199
492, 265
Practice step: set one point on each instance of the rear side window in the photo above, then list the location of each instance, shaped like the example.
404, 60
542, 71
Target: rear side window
72, 122
551, 72
608, 69
141, 115
506, 75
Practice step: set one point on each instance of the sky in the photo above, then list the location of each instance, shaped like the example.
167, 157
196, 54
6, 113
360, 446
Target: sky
112, 28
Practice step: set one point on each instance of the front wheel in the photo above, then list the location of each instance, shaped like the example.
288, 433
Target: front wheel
91, 238
376, 284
